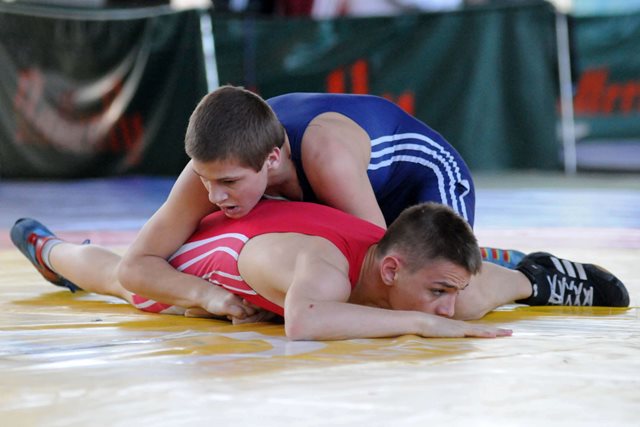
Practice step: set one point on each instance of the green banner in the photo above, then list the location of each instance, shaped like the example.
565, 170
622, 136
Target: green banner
96, 94
484, 78
607, 97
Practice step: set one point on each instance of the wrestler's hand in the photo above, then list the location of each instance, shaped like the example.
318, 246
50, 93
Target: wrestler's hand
441, 327
221, 303
260, 316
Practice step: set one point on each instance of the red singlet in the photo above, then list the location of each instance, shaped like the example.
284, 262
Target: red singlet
212, 251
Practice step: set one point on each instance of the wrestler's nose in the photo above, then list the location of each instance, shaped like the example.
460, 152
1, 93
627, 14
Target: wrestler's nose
446, 307
217, 195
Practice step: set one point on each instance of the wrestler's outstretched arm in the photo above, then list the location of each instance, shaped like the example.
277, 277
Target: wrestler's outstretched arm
144, 269
317, 308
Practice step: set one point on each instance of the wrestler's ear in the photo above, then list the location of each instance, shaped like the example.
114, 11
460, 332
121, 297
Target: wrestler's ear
389, 268
274, 158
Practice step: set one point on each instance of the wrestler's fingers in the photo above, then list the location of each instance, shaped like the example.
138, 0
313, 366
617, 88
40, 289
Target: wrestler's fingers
251, 308
504, 332
228, 305
237, 311
239, 321
488, 332
438, 326
259, 316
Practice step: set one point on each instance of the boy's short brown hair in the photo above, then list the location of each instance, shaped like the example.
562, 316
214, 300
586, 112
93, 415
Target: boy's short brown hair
431, 231
233, 123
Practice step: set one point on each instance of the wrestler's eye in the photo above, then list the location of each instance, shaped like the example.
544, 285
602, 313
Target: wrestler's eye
438, 292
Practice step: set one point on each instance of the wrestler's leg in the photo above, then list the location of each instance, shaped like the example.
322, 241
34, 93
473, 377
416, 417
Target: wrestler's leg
73, 266
91, 267
493, 287
540, 279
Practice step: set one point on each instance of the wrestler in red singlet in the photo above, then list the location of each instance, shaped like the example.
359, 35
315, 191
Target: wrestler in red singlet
212, 251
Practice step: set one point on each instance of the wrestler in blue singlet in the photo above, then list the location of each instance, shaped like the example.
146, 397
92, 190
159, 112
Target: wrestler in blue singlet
410, 162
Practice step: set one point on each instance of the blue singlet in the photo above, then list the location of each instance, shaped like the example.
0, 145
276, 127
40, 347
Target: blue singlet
410, 162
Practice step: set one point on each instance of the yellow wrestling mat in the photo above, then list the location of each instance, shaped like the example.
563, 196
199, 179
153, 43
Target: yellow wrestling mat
86, 360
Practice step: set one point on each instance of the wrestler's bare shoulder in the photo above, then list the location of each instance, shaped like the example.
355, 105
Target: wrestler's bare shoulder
268, 262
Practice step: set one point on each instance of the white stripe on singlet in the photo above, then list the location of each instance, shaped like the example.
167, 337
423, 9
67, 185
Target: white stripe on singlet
234, 289
419, 160
439, 154
145, 304
222, 274
192, 245
192, 261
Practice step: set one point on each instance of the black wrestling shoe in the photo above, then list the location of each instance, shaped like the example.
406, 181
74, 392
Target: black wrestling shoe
559, 281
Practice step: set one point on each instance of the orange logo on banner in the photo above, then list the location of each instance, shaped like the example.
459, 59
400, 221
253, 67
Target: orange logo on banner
596, 95
359, 84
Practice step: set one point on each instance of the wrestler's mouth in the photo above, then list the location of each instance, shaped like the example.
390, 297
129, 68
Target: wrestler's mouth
230, 211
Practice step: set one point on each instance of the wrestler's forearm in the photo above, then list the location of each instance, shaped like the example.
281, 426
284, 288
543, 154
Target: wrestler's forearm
154, 278
320, 320
337, 321
144, 269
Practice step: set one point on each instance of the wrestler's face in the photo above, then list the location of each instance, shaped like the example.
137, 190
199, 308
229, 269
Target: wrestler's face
232, 187
432, 289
